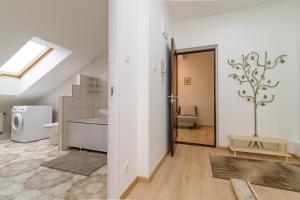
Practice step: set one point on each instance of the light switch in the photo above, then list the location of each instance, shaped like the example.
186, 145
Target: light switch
154, 67
126, 167
163, 66
127, 59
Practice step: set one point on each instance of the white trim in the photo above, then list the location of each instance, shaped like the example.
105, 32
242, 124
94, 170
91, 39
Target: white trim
217, 96
196, 49
113, 182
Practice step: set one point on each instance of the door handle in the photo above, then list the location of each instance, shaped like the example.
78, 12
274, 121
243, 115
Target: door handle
172, 98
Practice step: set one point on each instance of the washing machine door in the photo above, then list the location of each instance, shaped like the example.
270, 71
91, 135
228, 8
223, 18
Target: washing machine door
17, 122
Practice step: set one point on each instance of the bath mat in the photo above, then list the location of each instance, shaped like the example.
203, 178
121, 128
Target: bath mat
259, 172
78, 162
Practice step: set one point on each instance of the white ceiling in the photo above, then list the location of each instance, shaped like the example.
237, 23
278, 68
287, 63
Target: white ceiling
189, 10
78, 25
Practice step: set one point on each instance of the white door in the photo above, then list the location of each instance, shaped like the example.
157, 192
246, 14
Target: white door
17, 122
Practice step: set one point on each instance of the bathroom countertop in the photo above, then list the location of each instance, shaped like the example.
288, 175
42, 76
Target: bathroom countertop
99, 121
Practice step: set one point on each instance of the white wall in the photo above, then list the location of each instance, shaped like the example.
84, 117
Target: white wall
158, 82
296, 146
97, 67
143, 133
12, 86
298, 34
138, 109
123, 105
80, 26
143, 89
270, 28
200, 68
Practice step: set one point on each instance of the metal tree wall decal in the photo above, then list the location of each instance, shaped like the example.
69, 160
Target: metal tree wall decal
253, 73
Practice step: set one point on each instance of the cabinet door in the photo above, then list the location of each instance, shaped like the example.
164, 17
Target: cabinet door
88, 136
93, 137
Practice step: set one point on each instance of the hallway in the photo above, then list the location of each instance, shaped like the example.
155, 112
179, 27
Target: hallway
188, 176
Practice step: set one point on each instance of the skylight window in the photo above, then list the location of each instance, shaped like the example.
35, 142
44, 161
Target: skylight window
29, 55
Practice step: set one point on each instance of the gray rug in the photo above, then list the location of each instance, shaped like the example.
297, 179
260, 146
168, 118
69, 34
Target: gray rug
259, 172
78, 162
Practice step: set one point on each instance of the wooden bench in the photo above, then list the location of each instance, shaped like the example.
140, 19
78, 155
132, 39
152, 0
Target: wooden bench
248, 149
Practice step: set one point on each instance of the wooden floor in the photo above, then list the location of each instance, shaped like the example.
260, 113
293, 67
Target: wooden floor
197, 135
188, 176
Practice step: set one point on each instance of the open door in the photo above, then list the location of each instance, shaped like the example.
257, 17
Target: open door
173, 97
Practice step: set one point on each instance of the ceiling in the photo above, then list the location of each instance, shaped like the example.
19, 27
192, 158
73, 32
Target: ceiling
189, 10
77, 25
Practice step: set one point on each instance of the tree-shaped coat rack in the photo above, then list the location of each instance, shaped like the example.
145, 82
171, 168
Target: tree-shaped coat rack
254, 73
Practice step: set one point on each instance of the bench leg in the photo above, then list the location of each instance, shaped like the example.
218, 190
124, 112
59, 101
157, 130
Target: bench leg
261, 144
286, 152
250, 143
233, 145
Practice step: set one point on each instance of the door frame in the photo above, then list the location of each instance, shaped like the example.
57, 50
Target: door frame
113, 173
173, 121
216, 93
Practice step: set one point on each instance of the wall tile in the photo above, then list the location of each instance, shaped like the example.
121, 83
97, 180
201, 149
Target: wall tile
90, 102
83, 113
68, 115
68, 102
90, 112
75, 90
65, 135
76, 102
83, 102
76, 113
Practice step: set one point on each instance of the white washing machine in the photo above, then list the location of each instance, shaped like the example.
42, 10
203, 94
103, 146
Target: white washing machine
27, 122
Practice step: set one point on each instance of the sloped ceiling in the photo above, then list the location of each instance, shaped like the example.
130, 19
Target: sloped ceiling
184, 10
78, 25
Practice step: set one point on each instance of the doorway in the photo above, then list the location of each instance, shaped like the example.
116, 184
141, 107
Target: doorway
195, 71
196, 98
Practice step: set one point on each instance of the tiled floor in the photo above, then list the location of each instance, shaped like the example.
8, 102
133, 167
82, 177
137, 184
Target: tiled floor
4, 136
22, 177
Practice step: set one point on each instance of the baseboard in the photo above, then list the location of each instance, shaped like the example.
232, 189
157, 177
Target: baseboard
125, 194
142, 179
223, 148
149, 179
